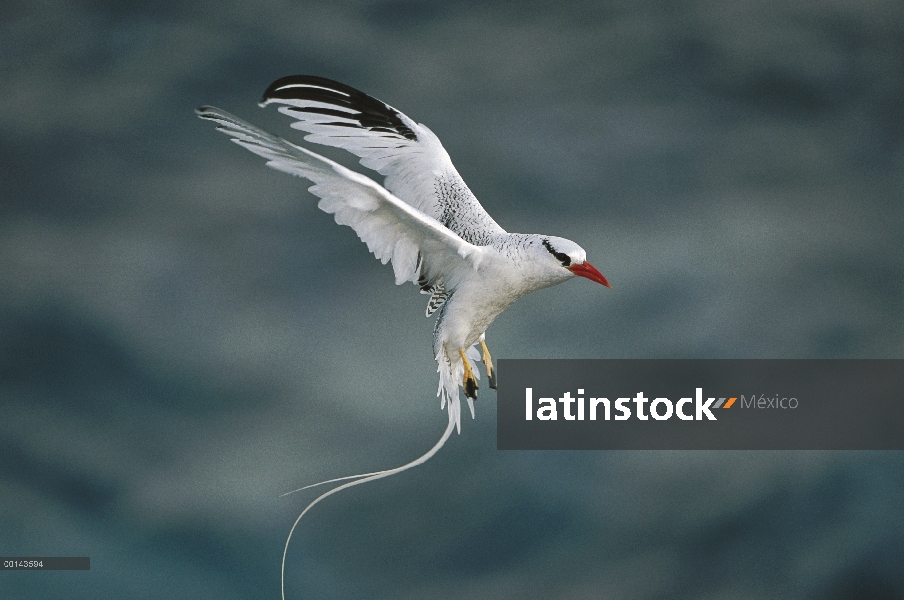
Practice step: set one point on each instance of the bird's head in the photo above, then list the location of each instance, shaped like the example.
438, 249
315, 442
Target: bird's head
568, 255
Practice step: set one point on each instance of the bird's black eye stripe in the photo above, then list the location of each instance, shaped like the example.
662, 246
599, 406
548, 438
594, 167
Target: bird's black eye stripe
563, 258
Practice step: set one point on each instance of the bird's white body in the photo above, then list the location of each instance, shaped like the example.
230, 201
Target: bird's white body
424, 218
503, 276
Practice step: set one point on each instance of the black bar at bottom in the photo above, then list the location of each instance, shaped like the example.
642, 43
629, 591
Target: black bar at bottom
45, 563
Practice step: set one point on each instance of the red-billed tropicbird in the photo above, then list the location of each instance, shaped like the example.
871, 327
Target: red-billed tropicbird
423, 219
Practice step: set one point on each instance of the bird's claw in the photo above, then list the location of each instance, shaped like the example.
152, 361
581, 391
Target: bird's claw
469, 382
488, 363
470, 385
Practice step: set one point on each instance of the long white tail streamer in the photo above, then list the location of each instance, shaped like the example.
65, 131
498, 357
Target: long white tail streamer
362, 478
319, 483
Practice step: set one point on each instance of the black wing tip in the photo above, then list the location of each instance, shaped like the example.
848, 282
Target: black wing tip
273, 90
372, 113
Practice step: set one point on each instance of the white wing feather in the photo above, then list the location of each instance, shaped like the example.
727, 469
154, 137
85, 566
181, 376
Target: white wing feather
418, 169
418, 245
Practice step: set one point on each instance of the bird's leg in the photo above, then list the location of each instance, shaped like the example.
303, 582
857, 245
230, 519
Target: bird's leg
488, 363
470, 382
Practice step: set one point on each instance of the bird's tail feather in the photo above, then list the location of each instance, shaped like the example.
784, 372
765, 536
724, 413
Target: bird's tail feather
359, 479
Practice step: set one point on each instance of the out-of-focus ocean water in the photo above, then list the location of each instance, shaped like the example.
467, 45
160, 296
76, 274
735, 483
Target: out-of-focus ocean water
184, 336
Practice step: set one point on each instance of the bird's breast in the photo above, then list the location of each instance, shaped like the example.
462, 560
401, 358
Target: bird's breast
477, 302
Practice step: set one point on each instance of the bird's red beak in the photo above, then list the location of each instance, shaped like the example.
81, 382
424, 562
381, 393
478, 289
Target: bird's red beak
587, 270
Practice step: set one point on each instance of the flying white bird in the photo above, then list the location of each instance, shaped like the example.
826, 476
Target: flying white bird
423, 219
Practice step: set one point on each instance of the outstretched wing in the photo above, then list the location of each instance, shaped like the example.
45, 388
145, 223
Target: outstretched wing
418, 169
421, 249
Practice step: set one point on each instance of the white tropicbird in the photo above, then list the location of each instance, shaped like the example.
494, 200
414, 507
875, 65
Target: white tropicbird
423, 219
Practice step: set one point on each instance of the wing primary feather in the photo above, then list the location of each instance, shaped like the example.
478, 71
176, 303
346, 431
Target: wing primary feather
417, 168
418, 245
371, 113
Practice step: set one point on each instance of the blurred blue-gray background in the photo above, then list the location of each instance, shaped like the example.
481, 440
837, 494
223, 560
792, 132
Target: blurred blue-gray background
184, 336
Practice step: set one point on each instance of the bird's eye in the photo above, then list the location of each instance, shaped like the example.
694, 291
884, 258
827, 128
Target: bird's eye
561, 256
